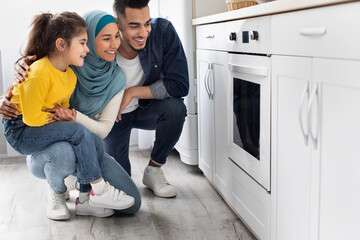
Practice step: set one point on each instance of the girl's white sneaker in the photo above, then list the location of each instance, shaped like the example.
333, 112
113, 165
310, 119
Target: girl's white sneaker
85, 209
111, 198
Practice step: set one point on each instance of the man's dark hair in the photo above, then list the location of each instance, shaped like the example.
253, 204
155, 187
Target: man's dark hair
120, 5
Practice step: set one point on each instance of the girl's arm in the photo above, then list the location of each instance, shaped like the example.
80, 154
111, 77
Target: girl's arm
103, 125
33, 93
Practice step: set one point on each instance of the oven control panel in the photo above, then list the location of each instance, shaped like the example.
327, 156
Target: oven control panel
249, 36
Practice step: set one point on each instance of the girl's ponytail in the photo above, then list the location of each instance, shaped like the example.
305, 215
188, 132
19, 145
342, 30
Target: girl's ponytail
38, 43
46, 28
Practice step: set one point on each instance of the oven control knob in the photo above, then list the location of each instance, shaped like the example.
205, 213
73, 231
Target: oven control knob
232, 36
254, 35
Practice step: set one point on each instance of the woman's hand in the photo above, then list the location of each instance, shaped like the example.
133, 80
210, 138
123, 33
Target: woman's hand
60, 114
7, 108
22, 66
127, 98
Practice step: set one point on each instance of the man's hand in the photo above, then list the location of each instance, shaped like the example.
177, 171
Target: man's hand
60, 114
7, 108
22, 66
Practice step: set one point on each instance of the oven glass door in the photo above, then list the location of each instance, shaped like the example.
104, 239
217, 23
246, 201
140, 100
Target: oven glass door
249, 115
246, 122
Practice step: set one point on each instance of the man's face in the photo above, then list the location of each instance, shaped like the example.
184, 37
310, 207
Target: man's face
135, 29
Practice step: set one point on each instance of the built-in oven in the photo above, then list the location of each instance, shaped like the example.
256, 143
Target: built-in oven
249, 74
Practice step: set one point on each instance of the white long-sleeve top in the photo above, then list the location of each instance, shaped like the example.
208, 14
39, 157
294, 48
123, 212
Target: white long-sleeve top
103, 122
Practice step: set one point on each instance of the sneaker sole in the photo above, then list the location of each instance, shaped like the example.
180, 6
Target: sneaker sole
59, 218
80, 213
157, 193
111, 207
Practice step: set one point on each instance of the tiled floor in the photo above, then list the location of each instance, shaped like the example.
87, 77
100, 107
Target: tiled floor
198, 212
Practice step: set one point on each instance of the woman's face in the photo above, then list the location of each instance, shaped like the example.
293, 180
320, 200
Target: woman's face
107, 42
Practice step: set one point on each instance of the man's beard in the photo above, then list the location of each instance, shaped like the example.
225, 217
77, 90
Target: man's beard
136, 50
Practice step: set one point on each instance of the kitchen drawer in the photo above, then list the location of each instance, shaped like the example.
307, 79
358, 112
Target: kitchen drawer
212, 36
331, 31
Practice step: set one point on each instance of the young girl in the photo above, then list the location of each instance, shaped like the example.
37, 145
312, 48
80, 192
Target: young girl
59, 41
99, 90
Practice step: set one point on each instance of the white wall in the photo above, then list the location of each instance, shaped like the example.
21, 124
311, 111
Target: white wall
15, 18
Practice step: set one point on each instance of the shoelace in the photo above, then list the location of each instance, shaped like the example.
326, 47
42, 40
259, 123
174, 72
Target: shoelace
114, 193
159, 175
57, 198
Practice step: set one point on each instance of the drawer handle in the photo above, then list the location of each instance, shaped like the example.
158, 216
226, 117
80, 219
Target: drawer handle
313, 32
210, 36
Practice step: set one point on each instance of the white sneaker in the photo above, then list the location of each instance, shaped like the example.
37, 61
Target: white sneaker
111, 198
56, 206
71, 184
67, 195
155, 180
85, 209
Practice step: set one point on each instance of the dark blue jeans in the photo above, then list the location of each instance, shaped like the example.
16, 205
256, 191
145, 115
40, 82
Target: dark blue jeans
88, 148
165, 116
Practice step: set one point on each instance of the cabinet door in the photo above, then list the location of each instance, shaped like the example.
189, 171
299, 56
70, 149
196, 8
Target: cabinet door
339, 92
205, 114
221, 103
291, 155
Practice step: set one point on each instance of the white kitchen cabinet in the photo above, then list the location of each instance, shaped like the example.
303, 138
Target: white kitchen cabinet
315, 159
338, 148
212, 115
315, 124
291, 155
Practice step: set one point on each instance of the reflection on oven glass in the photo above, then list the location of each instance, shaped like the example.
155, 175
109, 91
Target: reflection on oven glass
247, 116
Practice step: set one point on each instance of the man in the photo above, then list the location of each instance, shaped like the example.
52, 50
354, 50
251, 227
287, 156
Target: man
154, 62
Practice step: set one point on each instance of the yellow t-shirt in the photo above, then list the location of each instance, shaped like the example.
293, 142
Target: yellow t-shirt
44, 88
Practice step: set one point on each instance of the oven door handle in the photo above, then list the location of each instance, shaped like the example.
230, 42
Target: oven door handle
258, 71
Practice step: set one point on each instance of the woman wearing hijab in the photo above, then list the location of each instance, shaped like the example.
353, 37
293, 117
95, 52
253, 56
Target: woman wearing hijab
97, 98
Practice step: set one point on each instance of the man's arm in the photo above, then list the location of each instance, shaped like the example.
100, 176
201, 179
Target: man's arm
175, 79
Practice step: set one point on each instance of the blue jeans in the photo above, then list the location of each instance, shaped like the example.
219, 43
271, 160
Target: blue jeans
28, 140
165, 116
58, 161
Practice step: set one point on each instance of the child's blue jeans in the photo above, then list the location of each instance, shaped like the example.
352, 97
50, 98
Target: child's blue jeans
28, 140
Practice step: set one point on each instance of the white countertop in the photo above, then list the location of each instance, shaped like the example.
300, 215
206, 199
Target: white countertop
269, 8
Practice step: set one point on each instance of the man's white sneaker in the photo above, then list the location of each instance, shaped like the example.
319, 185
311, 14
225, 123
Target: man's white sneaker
56, 206
155, 180
85, 209
111, 198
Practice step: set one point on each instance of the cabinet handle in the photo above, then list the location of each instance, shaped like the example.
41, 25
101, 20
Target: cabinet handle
311, 100
302, 101
206, 79
312, 32
210, 36
210, 67
258, 71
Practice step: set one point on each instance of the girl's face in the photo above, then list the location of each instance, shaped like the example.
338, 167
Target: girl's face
77, 50
107, 42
